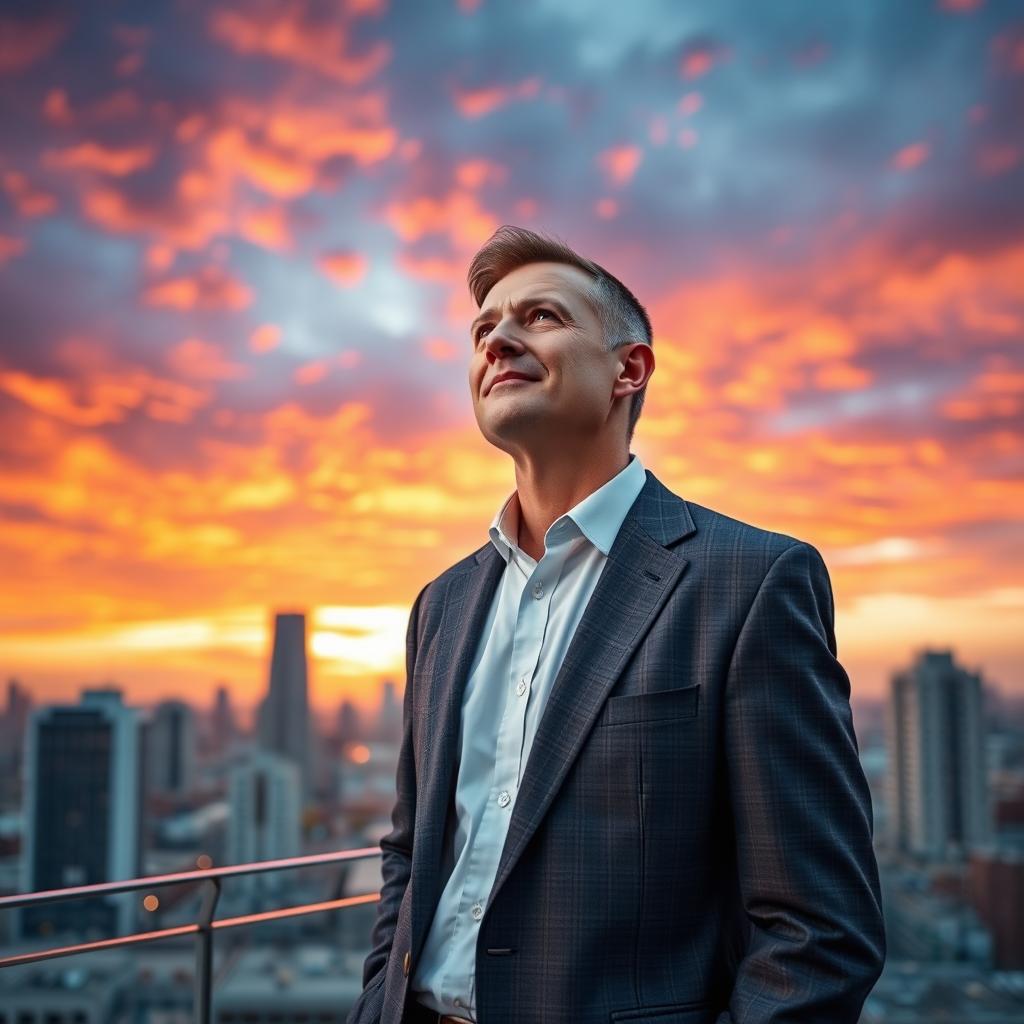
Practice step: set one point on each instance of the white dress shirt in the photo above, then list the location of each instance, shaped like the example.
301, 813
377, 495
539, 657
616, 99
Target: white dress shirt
532, 619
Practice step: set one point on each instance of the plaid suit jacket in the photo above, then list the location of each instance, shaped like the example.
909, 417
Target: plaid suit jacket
692, 838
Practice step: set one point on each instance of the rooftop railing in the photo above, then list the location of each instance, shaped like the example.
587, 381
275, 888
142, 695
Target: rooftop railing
205, 925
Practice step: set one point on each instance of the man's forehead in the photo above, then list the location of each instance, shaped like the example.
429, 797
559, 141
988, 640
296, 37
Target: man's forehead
565, 280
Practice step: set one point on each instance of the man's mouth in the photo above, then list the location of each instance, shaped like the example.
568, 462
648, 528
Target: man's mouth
509, 378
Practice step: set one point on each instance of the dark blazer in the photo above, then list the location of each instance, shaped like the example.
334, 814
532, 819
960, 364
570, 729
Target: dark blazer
691, 841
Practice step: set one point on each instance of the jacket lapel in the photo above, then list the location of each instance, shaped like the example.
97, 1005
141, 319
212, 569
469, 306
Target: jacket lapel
636, 581
467, 602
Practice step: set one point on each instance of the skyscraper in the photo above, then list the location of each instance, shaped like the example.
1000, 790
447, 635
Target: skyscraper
83, 810
222, 720
13, 724
284, 713
265, 821
171, 749
389, 718
937, 784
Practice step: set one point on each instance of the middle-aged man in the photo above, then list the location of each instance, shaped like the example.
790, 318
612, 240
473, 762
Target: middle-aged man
628, 785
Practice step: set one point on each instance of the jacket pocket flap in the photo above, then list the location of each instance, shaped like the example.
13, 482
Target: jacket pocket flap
652, 707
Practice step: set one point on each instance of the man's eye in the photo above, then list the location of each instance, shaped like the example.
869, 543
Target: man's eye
549, 312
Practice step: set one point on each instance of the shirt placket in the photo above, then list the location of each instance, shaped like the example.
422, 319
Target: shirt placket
528, 638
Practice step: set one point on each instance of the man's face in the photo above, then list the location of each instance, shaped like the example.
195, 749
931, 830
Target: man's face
536, 325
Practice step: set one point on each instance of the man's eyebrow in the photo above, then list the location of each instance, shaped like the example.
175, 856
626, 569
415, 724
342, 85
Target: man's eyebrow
518, 307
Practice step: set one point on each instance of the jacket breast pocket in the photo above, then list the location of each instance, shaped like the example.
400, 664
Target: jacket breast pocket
679, 1013
657, 706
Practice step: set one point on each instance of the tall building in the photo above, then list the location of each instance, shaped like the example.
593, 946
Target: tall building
389, 718
83, 811
13, 723
171, 749
349, 725
265, 821
222, 719
937, 785
284, 726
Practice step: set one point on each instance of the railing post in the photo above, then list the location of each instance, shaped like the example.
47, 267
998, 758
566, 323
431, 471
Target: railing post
204, 953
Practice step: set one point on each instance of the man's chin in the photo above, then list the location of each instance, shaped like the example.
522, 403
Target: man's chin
511, 429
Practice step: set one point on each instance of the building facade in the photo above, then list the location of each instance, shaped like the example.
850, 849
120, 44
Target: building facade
938, 804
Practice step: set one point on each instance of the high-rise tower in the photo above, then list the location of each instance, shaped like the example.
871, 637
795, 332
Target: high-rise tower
284, 713
83, 811
937, 783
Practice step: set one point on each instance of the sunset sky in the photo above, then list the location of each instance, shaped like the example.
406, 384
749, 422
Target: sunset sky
234, 313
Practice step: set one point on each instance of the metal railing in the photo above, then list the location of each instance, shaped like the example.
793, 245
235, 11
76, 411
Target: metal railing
204, 926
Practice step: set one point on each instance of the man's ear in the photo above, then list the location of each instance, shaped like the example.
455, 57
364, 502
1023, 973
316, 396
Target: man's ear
636, 364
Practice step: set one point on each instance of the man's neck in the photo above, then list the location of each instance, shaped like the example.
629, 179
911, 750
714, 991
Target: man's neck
549, 486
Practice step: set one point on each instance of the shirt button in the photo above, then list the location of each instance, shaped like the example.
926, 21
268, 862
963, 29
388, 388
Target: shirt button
458, 1002
477, 911
521, 687
504, 799
538, 590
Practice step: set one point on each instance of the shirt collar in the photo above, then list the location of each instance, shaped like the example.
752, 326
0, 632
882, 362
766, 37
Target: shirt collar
598, 516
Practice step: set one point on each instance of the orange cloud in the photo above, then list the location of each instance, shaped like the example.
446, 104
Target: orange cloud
93, 156
473, 103
700, 57
204, 360
996, 393
105, 397
208, 288
910, 156
265, 338
184, 225
28, 200
278, 173
311, 373
56, 108
440, 349
344, 266
619, 163
474, 173
267, 227
278, 146
358, 127
431, 268
288, 35
459, 215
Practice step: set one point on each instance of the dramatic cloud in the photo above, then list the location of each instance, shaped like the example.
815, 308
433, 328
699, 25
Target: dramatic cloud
234, 241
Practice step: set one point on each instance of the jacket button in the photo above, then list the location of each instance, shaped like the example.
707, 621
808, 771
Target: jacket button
405, 963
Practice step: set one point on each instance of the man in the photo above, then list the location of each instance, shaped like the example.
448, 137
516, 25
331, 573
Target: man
628, 786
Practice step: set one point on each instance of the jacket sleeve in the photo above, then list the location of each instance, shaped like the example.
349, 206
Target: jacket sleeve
396, 849
801, 810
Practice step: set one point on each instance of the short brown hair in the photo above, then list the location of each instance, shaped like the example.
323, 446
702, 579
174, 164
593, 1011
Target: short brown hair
623, 319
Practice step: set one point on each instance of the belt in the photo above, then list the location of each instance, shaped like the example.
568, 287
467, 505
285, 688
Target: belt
420, 1014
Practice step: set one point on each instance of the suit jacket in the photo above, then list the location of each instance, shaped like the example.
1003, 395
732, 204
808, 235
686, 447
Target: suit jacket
692, 838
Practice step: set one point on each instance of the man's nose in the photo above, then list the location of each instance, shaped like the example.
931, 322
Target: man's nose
501, 342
